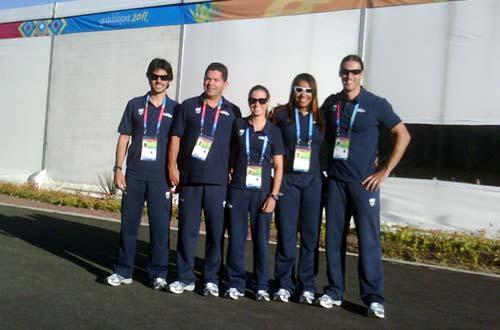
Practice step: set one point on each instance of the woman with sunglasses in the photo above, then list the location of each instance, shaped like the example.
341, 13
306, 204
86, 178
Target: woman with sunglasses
253, 192
302, 128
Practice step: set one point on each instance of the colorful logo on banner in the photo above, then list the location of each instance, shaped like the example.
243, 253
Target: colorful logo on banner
204, 13
42, 27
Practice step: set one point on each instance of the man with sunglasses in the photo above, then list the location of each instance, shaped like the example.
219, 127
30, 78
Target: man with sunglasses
198, 160
353, 120
146, 120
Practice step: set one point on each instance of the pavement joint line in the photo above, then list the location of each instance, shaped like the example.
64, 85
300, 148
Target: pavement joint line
202, 232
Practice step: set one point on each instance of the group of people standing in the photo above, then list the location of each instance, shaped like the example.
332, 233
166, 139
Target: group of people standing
238, 171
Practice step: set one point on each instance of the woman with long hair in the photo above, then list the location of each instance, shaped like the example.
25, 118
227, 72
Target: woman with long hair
257, 148
298, 209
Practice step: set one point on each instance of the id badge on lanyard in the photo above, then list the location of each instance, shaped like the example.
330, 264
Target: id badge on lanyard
202, 147
254, 176
204, 142
342, 143
302, 156
149, 147
254, 172
149, 144
302, 159
341, 150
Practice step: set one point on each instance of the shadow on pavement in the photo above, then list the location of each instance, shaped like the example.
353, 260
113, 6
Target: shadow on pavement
90, 247
94, 249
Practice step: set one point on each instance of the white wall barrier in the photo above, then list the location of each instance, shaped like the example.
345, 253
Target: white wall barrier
24, 70
441, 205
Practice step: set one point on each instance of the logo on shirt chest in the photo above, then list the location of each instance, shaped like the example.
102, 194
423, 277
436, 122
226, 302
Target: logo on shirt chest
140, 111
360, 110
197, 110
241, 132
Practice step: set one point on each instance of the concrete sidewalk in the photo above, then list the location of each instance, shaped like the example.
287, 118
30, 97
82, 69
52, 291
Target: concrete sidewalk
53, 267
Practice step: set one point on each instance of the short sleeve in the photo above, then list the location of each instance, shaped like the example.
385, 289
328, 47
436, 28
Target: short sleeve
233, 147
387, 117
175, 106
125, 126
326, 105
236, 111
280, 117
179, 121
277, 147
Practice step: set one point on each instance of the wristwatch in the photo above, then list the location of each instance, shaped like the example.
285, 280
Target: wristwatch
274, 196
117, 168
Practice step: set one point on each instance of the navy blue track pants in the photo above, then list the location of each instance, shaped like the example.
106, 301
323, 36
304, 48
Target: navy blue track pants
346, 199
241, 203
298, 210
157, 196
192, 199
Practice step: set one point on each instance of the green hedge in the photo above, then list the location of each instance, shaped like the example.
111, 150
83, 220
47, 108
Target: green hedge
467, 251
60, 198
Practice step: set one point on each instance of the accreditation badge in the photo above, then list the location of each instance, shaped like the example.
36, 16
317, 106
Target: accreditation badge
202, 147
148, 150
302, 159
254, 176
341, 150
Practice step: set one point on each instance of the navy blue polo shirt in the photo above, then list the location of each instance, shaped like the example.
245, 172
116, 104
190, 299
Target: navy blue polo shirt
373, 113
286, 124
214, 170
239, 154
132, 123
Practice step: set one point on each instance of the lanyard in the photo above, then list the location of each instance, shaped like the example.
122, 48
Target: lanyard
160, 116
297, 127
351, 124
247, 146
216, 119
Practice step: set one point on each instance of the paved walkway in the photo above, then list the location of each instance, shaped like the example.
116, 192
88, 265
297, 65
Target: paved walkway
53, 267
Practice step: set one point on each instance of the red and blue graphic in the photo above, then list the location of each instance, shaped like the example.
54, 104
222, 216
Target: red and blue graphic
201, 12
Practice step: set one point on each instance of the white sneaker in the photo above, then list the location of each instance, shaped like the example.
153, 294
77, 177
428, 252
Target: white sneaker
179, 287
234, 293
211, 289
117, 280
282, 295
327, 302
376, 310
307, 297
159, 283
262, 295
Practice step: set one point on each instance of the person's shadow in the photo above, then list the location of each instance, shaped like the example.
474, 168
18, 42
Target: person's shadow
91, 246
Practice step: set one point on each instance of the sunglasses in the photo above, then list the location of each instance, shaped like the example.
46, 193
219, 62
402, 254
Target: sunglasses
298, 90
156, 77
345, 72
252, 100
